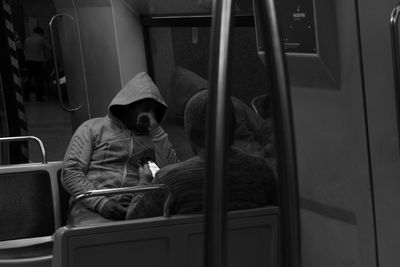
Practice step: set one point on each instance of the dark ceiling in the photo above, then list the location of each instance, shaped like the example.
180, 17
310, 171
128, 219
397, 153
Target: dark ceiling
33, 1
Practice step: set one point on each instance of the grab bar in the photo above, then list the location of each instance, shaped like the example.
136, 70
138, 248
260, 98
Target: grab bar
127, 190
260, 42
254, 103
24, 138
265, 11
65, 107
394, 34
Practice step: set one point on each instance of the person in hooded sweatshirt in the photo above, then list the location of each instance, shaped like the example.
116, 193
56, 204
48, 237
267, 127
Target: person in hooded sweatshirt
104, 152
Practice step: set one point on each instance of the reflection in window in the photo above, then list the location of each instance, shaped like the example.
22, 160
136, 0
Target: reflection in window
180, 60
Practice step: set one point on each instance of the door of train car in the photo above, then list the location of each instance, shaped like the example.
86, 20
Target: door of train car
52, 101
324, 58
379, 28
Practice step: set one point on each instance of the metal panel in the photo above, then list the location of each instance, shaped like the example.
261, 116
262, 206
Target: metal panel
332, 146
99, 49
382, 124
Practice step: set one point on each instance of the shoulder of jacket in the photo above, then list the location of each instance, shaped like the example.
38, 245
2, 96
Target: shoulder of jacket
93, 121
94, 124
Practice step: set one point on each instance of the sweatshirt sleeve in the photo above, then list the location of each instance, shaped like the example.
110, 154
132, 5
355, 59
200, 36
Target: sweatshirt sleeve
75, 166
147, 204
165, 153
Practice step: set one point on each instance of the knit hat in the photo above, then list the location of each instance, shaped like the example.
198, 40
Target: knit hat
196, 116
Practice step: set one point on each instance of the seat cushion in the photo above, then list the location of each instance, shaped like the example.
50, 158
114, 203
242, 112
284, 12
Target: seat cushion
26, 205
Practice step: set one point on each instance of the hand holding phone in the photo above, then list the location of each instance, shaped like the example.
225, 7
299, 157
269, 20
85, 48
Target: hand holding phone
153, 167
147, 170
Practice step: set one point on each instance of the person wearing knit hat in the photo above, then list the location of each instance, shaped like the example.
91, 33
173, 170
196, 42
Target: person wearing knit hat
250, 181
105, 152
253, 133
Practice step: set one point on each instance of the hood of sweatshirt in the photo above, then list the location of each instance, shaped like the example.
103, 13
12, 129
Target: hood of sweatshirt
138, 88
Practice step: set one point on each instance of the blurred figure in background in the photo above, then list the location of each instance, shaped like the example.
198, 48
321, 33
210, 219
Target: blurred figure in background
36, 49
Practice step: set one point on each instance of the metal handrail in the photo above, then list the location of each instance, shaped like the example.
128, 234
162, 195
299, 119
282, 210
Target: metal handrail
265, 10
394, 34
260, 42
254, 100
24, 138
65, 107
126, 190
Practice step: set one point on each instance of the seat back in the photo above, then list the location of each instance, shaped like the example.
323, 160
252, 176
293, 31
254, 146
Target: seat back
29, 200
30, 213
174, 241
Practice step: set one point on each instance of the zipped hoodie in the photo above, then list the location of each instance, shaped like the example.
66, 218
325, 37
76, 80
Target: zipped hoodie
103, 153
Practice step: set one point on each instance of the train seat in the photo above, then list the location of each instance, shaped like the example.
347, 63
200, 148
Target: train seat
30, 213
174, 241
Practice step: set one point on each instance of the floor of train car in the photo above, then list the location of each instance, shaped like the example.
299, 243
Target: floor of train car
49, 122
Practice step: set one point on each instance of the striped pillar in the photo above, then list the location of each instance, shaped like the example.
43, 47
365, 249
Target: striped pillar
17, 86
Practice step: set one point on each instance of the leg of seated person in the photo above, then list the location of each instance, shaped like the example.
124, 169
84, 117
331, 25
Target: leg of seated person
81, 216
145, 205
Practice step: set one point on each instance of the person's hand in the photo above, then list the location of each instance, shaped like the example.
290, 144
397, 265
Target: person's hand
145, 175
112, 210
153, 124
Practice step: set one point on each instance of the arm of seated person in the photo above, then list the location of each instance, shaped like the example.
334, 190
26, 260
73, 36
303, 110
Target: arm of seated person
146, 204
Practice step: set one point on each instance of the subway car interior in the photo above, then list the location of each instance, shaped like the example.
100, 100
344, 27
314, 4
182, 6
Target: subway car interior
320, 77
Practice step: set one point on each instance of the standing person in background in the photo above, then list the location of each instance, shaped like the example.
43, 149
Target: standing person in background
36, 49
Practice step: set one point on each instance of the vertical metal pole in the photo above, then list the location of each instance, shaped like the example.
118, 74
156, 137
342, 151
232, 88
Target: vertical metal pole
60, 99
287, 167
394, 34
215, 217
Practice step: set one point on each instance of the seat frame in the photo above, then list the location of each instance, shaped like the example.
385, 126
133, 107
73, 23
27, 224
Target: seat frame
252, 237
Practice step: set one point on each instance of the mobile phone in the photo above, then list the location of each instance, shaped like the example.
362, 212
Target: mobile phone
153, 167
